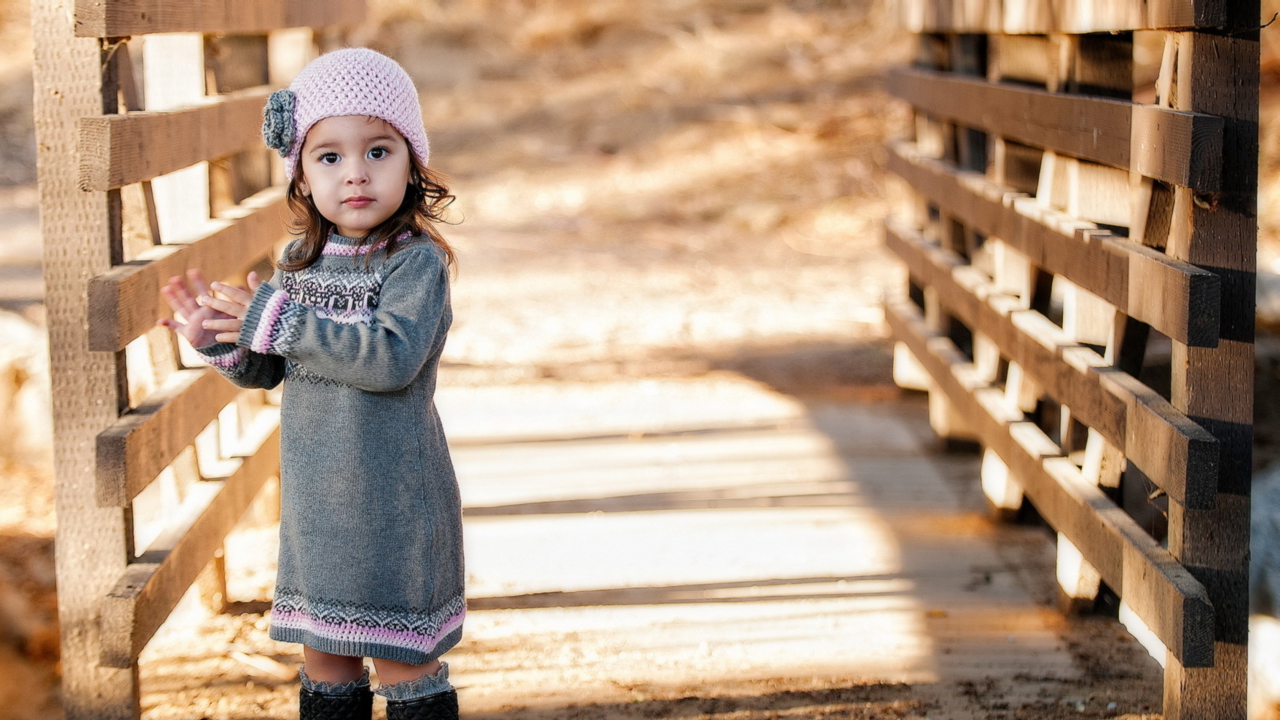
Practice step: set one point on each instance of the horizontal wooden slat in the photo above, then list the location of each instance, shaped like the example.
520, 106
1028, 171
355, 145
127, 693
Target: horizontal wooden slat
1162, 592
133, 451
125, 302
119, 18
151, 586
1176, 298
1178, 455
1181, 148
1050, 16
117, 150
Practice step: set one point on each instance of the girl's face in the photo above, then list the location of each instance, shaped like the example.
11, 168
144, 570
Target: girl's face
356, 170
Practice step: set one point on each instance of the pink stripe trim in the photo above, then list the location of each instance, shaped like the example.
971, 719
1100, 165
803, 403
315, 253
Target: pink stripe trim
299, 620
265, 332
332, 248
351, 250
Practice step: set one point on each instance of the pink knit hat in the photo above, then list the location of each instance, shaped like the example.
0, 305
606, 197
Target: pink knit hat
352, 81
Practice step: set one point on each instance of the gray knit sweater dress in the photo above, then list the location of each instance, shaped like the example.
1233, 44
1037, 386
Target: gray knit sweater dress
371, 522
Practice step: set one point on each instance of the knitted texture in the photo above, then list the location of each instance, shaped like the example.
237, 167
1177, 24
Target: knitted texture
241, 367
329, 688
421, 687
352, 81
370, 558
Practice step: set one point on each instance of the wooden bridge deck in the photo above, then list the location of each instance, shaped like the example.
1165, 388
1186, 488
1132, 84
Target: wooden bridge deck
710, 548
732, 535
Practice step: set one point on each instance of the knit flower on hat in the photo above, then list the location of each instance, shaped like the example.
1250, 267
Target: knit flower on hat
277, 121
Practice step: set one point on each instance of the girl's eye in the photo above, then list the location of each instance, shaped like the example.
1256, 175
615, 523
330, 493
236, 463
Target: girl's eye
378, 153
329, 158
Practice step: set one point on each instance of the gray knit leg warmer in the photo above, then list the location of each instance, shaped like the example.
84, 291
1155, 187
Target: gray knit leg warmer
335, 701
429, 697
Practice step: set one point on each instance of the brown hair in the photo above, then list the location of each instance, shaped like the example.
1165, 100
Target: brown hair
425, 201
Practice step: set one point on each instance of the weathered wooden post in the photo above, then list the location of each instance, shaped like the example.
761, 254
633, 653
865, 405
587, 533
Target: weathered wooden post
94, 544
1217, 73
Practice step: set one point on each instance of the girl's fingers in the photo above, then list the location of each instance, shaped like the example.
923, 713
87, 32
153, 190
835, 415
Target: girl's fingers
235, 294
227, 337
231, 308
179, 300
254, 281
170, 298
228, 324
197, 281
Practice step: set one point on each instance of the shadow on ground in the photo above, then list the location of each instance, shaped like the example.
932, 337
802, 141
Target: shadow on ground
854, 702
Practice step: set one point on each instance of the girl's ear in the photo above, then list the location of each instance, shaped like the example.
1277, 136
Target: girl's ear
303, 187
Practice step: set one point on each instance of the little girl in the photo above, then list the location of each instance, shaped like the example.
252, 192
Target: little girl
353, 322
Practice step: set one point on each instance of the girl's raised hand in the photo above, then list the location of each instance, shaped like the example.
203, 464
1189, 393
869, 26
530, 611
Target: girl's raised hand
202, 314
231, 308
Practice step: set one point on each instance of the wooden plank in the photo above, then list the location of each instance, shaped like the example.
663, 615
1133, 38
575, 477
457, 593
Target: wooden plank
125, 301
1045, 16
1182, 148
93, 544
1019, 58
1178, 455
140, 223
1162, 592
118, 18
1219, 74
150, 587
1101, 64
133, 451
1085, 190
1002, 490
117, 150
1078, 581
1174, 297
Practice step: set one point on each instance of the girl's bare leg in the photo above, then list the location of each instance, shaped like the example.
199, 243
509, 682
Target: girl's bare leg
324, 667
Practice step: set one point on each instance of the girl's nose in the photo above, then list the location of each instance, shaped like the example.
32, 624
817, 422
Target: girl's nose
357, 174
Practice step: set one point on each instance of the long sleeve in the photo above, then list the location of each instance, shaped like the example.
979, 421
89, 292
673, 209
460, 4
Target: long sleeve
384, 354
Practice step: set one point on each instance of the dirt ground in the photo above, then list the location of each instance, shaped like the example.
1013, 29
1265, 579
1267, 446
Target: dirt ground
660, 191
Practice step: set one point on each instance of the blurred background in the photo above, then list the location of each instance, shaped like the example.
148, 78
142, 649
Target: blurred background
652, 190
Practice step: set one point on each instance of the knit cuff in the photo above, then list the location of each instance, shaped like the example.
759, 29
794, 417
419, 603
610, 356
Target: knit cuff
271, 325
328, 688
421, 687
223, 356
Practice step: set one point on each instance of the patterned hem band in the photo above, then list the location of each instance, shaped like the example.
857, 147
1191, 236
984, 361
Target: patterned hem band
264, 334
361, 634
369, 625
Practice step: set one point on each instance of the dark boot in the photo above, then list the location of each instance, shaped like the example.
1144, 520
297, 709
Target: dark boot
348, 701
441, 706
357, 705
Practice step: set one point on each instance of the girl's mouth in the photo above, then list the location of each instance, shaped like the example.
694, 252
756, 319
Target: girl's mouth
358, 201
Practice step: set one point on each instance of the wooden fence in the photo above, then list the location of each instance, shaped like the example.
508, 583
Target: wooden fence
147, 116
1080, 237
